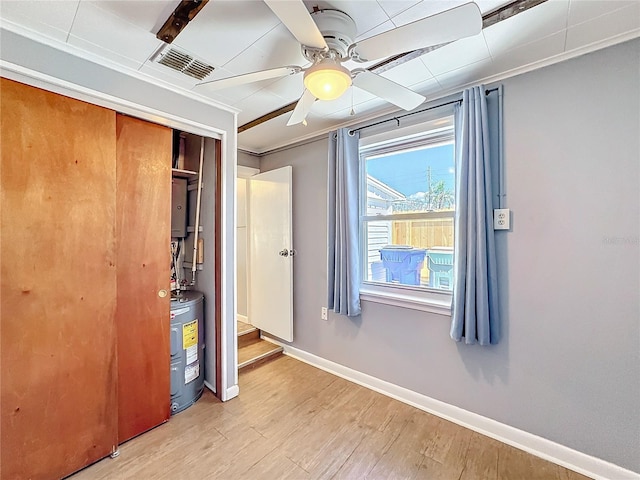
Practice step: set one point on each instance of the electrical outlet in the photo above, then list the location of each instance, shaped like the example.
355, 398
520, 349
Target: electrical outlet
323, 313
501, 219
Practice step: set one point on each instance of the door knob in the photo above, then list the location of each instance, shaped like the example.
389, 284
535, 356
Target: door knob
162, 293
284, 252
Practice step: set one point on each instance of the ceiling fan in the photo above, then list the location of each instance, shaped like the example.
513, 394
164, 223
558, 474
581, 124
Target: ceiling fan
327, 40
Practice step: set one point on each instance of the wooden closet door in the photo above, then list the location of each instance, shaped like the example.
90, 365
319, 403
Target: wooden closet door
143, 230
58, 283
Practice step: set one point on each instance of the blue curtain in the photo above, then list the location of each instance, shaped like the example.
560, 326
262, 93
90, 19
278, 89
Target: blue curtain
343, 213
475, 286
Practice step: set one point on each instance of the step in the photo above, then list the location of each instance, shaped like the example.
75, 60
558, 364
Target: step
247, 334
244, 328
248, 337
257, 353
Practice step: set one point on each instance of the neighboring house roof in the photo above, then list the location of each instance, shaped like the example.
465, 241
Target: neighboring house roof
382, 190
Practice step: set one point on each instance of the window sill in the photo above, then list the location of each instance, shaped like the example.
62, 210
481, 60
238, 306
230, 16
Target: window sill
429, 301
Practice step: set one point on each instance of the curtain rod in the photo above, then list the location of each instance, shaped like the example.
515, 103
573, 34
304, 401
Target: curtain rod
397, 118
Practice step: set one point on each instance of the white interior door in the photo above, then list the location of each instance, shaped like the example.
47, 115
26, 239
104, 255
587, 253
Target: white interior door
270, 253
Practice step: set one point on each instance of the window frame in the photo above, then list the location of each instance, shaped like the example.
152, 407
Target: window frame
407, 296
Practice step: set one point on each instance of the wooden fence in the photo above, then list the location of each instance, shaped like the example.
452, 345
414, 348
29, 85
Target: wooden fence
424, 233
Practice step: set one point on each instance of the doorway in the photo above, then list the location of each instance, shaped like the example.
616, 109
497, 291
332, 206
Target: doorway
264, 267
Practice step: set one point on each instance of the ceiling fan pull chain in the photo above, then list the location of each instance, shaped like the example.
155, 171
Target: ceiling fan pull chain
352, 112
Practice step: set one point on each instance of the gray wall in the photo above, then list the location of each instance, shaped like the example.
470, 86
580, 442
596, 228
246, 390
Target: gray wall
248, 160
568, 365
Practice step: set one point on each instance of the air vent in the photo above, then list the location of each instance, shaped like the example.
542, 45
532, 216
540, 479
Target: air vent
183, 62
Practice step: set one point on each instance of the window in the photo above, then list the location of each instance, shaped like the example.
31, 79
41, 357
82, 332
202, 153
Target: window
407, 209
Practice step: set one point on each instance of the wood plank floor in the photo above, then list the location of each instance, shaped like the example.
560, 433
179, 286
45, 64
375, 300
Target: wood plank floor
293, 421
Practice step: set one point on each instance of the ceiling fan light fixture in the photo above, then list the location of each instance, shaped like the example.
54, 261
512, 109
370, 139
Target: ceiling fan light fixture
327, 80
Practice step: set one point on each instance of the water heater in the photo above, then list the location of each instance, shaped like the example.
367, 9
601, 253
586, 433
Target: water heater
187, 349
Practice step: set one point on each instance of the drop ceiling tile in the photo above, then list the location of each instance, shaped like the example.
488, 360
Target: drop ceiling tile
425, 9
288, 88
364, 109
381, 28
224, 29
281, 48
428, 88
530, 53
100, 32
431, 7
276, 49
168, 75
536, 23
605, 26
148, 15
456, 55
275, 132
409, 73
469, 74
104, 53
367, 15
354, 96
344, 115
257, 105
584, 10
51, 18
232, 95
394, 7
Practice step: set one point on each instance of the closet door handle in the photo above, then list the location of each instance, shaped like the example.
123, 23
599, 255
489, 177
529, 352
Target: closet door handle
162, 293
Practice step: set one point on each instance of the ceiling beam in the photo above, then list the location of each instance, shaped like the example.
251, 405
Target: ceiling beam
181, 16
507, 11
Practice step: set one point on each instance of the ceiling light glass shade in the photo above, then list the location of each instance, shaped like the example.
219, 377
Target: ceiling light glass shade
327, 80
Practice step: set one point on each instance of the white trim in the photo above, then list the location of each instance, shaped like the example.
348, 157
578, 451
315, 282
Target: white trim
242, 318
541, 447
437, 303
210, 387
232, 392
229, 301
246, 172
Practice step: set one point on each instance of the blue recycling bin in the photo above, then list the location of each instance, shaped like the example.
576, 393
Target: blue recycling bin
402, 263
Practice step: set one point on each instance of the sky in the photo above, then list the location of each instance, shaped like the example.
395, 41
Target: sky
407, 172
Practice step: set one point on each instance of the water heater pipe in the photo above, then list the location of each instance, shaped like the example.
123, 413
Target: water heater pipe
194, 264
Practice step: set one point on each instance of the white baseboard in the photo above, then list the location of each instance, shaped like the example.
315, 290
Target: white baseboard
231, 392
242, 318
541, 447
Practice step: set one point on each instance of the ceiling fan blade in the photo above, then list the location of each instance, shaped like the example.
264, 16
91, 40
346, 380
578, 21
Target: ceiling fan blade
388, 90
295, 16
459, 22
249, 78
303, 107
